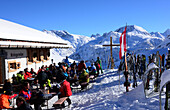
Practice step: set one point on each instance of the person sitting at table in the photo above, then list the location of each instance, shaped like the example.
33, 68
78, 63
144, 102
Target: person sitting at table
37, 99
71, 79
83, 78
20, 76
4, 100
93, 70
81, 66
7, 86
65, 89
33, 72
35, 84
25, 92
22, 104
27, 74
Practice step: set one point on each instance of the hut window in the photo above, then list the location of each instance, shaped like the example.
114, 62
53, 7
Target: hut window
13, 66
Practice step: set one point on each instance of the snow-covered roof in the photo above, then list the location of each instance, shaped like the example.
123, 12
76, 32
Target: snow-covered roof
13, 31
11, 44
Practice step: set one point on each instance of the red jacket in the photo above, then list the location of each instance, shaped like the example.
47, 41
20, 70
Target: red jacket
65, 89
4, 103
27, 75
26, 94
81, 66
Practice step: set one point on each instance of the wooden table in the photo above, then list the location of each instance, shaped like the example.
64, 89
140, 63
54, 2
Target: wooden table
47, 96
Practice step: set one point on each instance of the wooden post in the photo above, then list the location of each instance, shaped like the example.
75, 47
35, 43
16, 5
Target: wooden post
111, 48
108, 63
111, 55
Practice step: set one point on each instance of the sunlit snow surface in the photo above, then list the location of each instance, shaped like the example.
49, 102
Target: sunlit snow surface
107, 94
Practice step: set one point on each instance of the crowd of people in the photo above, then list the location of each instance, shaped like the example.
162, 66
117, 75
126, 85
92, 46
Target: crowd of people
63, 76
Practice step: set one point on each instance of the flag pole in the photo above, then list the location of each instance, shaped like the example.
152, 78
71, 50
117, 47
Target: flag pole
126, 68
127, 40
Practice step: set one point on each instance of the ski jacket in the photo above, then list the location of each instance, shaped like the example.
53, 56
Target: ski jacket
72, 73
4, 103
20, 77
65, 89
42, 76
67, 61
84, 77
100, 62
26, 94
27, 75
81, 66
93, 69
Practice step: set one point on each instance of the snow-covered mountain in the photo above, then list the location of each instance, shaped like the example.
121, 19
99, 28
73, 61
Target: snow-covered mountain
95, 36
138, 40
165, 36
166, 33
88, 48
157, 34
76, 41
165, 43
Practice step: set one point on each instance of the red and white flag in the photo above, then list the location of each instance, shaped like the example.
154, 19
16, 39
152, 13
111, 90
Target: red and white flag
122, 44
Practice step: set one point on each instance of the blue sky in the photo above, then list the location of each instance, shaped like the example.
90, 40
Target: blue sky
87, 17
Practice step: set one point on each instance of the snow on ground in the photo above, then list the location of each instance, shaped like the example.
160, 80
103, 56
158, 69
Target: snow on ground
107, 94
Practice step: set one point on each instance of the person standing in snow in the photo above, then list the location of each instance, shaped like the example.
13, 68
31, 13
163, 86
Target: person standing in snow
100, 62
66, 61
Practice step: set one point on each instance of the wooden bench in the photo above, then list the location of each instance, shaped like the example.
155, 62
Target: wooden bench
59, 102
84, 84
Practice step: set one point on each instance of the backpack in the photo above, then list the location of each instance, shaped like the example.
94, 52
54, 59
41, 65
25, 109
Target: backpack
98, 65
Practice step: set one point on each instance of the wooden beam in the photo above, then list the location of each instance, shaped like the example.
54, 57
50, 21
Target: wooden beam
112, 45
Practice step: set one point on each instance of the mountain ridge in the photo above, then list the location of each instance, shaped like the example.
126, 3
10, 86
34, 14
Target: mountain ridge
88, 48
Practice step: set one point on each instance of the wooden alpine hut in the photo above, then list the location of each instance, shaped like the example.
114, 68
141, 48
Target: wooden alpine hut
23, 47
